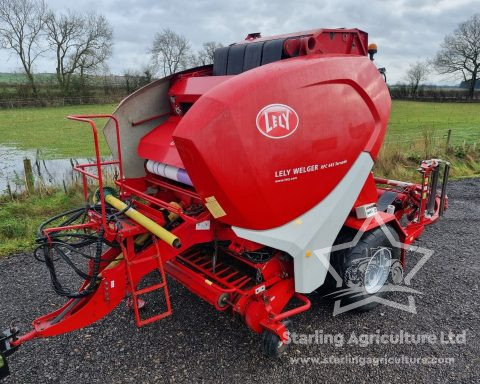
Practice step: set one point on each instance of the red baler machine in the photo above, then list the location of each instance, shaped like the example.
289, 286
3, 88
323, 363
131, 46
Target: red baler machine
236, 179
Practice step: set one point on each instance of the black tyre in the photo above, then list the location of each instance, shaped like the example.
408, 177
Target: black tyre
367, 267
272, 345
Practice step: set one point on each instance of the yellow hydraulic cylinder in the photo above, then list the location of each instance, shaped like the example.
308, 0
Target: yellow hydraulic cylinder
144, 221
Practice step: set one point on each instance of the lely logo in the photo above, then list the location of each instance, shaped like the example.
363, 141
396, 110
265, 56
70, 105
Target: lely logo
277, 121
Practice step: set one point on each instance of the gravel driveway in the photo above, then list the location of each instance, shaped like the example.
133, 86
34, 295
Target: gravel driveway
197, 344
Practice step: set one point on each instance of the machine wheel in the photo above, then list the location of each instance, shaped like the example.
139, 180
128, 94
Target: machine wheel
367, 267
272, 345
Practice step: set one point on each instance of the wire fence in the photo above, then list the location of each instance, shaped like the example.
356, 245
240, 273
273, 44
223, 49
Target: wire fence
446, 133
449, 136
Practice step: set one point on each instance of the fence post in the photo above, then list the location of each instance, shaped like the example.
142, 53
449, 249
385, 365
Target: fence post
449, 135
9, 190
29, 180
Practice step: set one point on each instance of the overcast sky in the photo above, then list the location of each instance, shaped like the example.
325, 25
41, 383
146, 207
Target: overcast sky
404, 30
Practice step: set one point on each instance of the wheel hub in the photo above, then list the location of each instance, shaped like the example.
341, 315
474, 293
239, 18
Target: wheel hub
377, 270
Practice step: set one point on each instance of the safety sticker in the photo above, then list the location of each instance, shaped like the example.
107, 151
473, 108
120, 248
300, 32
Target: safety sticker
203, 226
214, 207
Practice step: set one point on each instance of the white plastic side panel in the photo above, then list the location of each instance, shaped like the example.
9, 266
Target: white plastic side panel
316, 229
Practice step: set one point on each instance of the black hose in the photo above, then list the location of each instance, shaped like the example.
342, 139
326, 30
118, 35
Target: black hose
59, 245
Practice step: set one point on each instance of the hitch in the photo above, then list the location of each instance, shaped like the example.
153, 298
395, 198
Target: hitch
6, 349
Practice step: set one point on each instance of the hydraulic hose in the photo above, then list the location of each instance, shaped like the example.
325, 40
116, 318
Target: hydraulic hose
64, 245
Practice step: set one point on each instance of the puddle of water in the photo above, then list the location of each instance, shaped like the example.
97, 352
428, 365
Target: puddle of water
54, 172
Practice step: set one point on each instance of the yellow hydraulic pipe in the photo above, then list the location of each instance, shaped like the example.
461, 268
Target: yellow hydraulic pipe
144, 221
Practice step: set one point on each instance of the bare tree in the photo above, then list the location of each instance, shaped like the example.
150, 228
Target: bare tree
21, 27
81, 44
209, 49
460, 52
134, 79
416, 74
170, 52
205, 55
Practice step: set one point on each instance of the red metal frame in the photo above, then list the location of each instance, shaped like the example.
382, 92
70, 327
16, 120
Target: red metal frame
131, 264
413, 198
416, 196
98, 163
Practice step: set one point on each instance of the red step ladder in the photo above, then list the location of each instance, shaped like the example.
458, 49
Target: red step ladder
136, 293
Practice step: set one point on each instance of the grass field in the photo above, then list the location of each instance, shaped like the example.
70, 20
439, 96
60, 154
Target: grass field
419, 130
49, 130
20, 78
409, 120
443, 114
20, 218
